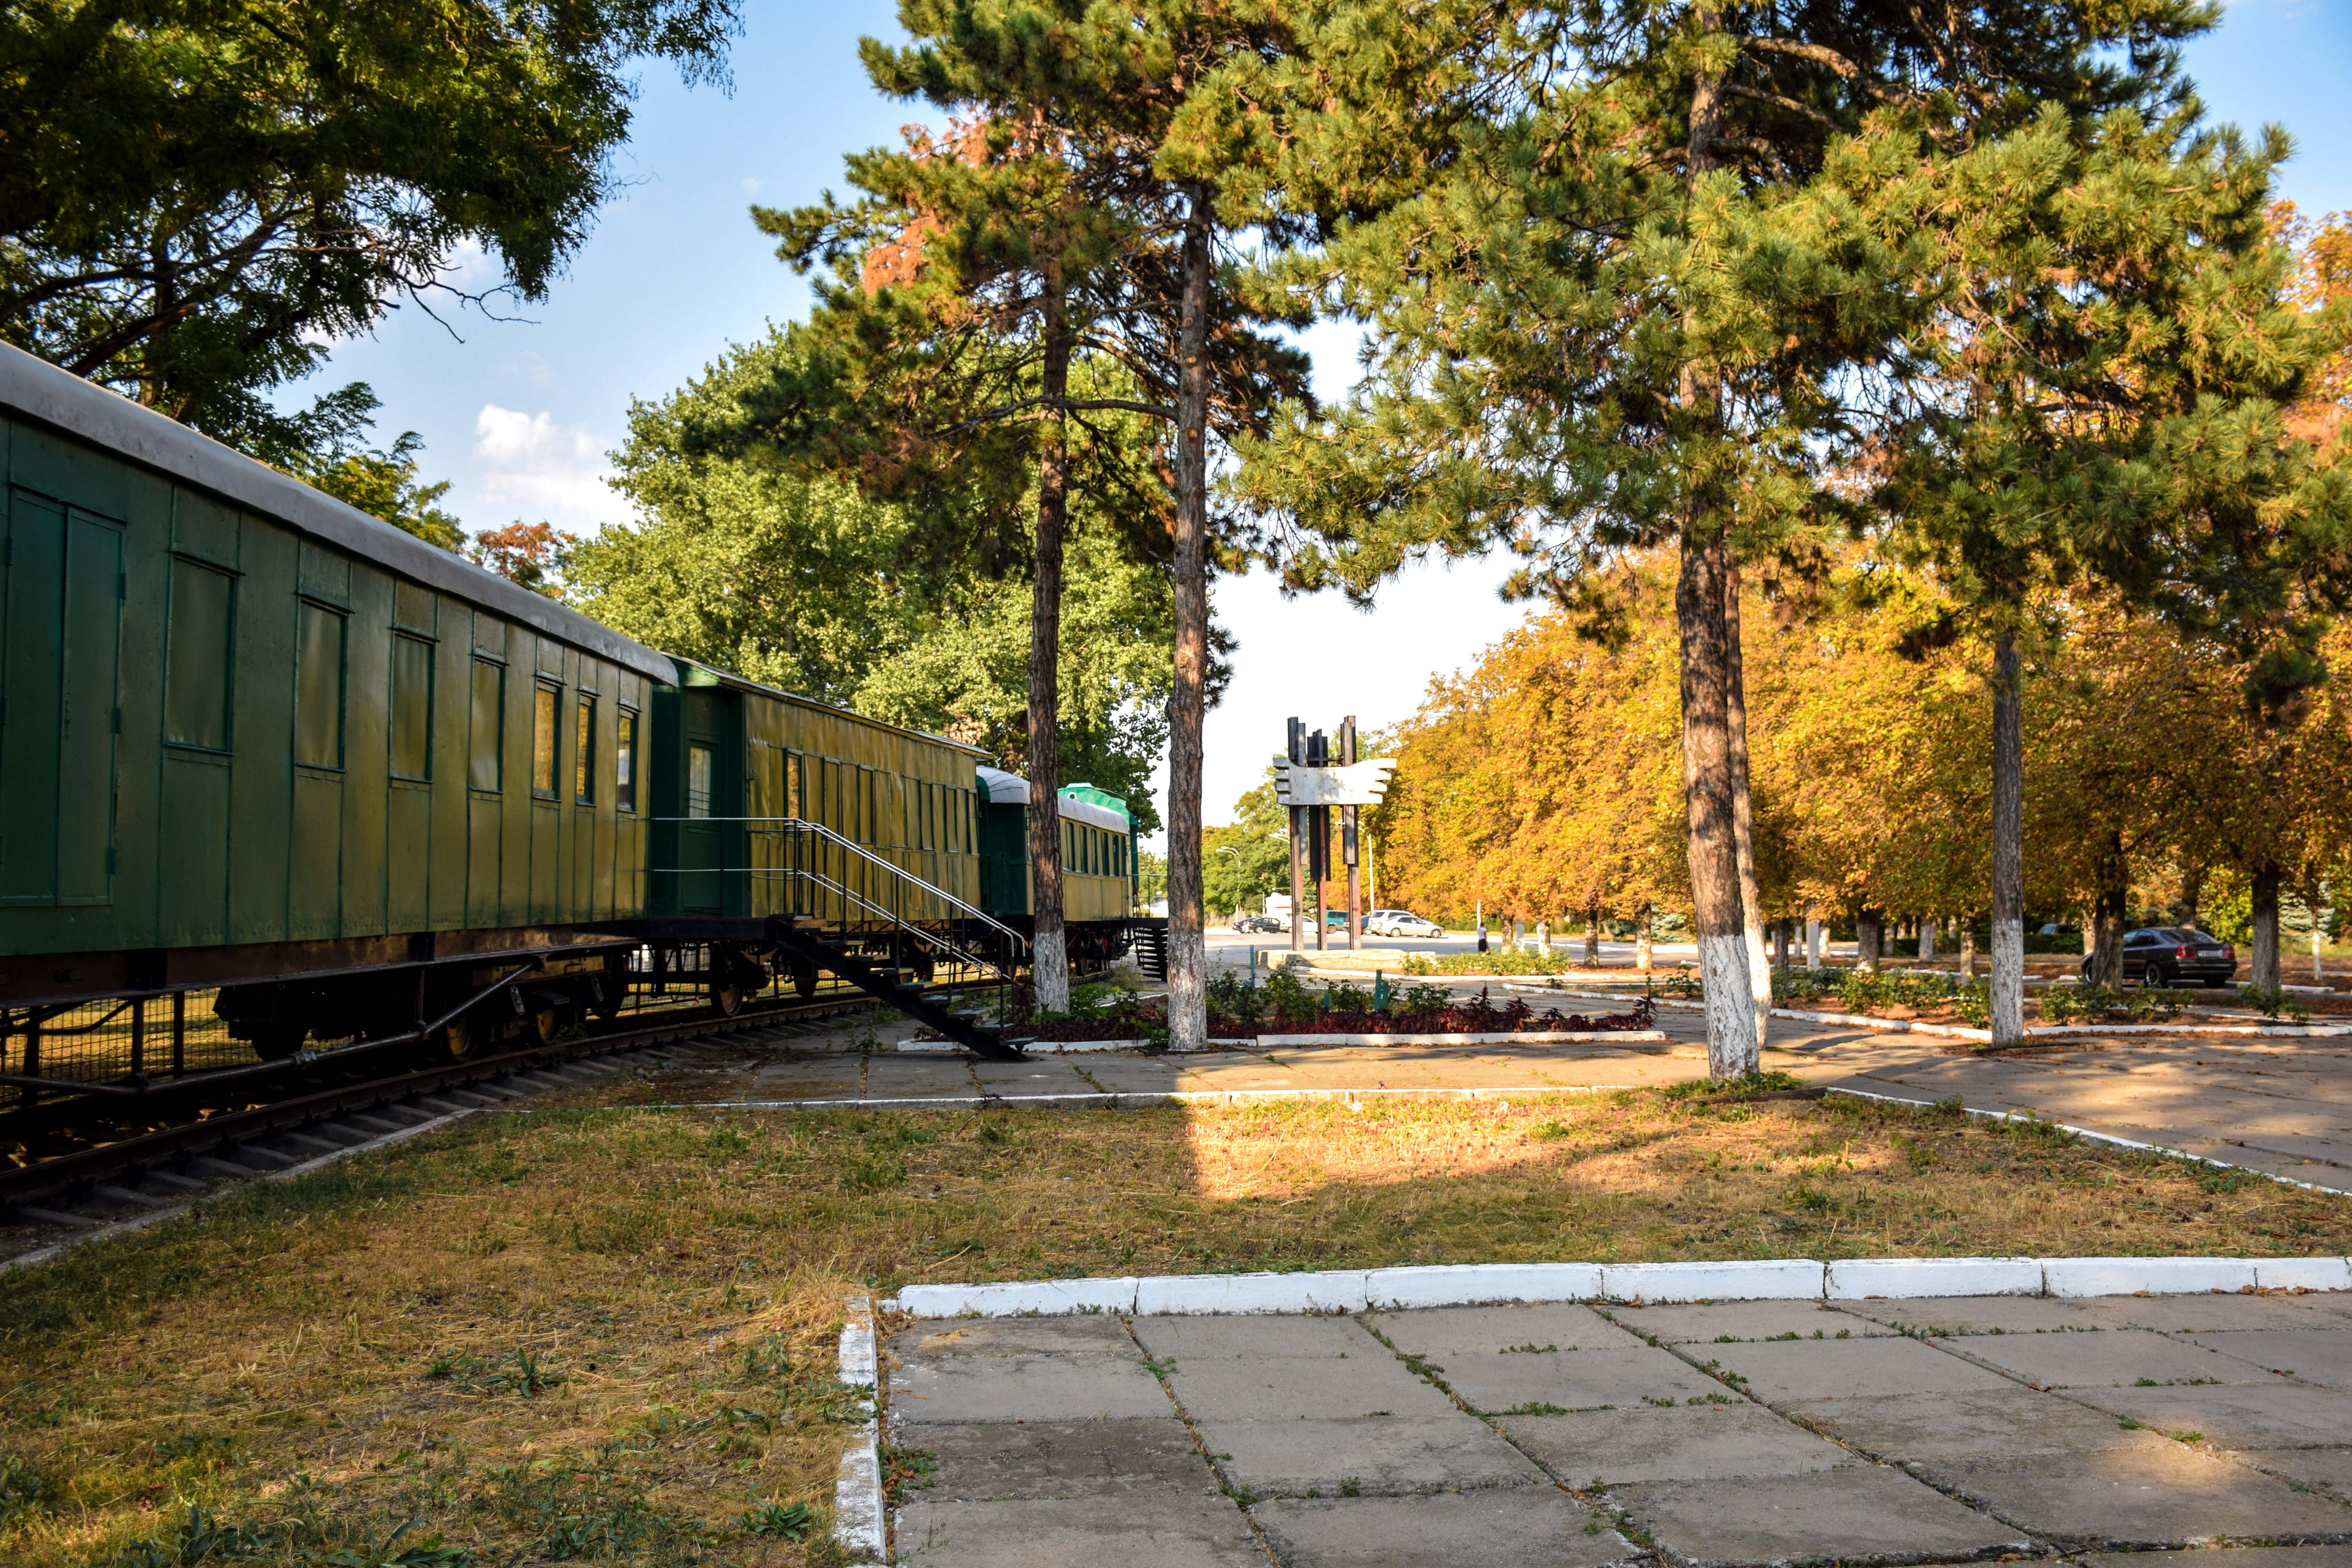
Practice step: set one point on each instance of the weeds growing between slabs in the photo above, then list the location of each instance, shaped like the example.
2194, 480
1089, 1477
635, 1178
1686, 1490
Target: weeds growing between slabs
610, 1334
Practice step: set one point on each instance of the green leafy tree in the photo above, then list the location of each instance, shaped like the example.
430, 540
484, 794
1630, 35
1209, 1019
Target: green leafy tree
1247, 859
196, 196
810, 586
1619, 299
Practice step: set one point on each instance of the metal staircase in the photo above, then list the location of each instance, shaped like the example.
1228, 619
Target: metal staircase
837, 906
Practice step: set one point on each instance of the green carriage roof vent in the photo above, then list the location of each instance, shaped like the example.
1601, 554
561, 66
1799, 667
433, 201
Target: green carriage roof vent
1093, 796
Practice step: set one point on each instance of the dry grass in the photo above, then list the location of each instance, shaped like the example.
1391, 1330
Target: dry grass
338, 1355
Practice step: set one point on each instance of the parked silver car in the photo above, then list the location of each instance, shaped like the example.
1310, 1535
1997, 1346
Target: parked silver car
1400, 922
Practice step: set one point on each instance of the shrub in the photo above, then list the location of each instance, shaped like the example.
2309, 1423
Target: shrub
2272, 1003
2106, 1004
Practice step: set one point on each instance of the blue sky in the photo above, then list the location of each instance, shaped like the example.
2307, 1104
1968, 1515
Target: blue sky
519, 414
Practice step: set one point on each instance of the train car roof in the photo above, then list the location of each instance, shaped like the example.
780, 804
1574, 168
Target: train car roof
1012, 789
33, 389
711, 675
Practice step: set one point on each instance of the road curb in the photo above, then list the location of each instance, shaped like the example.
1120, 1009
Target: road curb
1757, 1280
858, 1515
2092, 1135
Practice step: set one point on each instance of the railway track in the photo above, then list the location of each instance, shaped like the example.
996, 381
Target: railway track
137, 1173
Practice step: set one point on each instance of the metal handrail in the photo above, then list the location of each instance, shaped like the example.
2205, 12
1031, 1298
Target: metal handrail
848, 896
819, 830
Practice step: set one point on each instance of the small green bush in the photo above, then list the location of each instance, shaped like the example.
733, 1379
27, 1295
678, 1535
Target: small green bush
2273, 1002
2107, 1004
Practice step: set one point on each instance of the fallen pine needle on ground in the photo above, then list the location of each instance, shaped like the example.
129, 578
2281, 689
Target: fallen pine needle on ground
610, 1334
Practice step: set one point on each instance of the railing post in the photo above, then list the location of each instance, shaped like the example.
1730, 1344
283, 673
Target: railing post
32, 1056
139, 1042
179, 1033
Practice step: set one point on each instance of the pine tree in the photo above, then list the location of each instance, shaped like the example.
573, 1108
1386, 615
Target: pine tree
2098, 403
1618, 301
1082, 216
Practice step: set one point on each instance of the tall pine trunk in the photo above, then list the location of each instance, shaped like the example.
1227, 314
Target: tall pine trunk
2008, 1000
1188, 954
2266, 944
1710, 671
1049, 954
1719, 912
1743, 810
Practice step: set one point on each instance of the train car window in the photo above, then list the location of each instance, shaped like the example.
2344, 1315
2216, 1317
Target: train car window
863, 806
197, 684
485, 757
698, 781
412, 708
625, 761
542, 742
583, 751
319, 688
791, 784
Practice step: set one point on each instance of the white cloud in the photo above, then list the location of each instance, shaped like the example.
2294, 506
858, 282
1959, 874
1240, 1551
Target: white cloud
750, 186
542, 468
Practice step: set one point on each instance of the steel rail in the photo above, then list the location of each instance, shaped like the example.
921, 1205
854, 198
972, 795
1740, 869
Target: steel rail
103, 1162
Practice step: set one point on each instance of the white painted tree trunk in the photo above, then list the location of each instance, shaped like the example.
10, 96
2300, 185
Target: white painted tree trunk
1813, 938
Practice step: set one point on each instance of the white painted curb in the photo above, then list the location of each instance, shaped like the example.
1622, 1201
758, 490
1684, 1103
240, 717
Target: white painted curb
1057, 1047
1759, 1279
1894, 1278
1160, 1295
858, 1518
1482, 1284
2158, 1276
1771, 1279
1523, 1038
2092, 1135
1040, 1297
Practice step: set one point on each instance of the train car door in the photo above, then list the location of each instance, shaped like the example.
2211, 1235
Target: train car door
710, 883
60, 626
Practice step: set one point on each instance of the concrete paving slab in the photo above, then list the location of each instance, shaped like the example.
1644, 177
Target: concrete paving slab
1703, 1442
1454, 1331
1278, 1388
1989, 1422
1869, 1510
1078, 1532
1977, 1314
2276, 1414
1523, 1527
1378, 1455
2323, 1356
1070, 1336
2191, 1314
1790, 1372
1581, 1380
1734, 1320
2226, 1557
2115, 1358
2328, 1468
1022, 1388
986, 1461
1232, 1338
2170, 1496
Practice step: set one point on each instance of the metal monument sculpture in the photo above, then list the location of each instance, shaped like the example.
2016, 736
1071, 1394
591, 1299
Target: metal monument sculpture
1311, 782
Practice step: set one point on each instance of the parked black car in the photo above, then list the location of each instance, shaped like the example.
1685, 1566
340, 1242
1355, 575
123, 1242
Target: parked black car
1257, 923
2175, 956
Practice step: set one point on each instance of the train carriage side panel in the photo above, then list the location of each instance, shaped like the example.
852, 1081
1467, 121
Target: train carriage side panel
241, 716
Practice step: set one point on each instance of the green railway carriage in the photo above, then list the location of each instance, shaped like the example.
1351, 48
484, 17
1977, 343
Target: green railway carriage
744, 759
258, 744
252, 732
1098, 861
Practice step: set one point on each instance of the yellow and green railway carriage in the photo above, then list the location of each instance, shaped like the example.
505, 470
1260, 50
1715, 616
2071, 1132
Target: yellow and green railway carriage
258, 747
